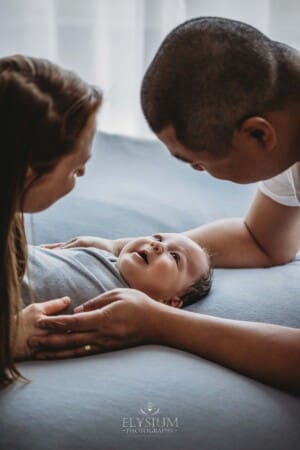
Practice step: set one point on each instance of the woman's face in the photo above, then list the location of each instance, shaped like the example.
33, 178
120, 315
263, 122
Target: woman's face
42, 191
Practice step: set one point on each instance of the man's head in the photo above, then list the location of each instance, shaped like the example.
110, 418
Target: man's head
214, 94
168, 267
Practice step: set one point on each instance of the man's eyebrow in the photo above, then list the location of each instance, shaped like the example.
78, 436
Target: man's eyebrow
181, 158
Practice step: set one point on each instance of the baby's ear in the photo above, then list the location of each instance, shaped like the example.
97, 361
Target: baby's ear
176, 302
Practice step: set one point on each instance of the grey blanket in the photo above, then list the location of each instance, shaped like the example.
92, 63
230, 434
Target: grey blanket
80, 273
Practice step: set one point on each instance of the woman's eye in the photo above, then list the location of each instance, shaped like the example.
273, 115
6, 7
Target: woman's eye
157, 237
175, 256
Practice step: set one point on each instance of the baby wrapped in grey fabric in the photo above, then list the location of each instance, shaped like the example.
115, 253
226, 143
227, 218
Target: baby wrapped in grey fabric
169, 267
80, 273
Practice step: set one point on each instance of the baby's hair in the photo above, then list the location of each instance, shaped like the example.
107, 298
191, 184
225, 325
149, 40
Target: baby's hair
200, 288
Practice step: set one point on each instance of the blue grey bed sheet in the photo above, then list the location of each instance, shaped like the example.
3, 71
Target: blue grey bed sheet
152, 396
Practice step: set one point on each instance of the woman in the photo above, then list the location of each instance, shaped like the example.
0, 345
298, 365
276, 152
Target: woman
47, 121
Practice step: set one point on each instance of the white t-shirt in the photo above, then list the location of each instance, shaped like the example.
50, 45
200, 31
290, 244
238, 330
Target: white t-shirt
285, 187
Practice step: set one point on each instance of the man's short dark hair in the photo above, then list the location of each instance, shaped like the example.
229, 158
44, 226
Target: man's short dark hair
208, 76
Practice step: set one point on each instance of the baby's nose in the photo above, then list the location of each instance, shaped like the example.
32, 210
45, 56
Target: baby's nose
156, 246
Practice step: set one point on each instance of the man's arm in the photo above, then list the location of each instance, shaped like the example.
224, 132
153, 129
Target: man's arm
269, 235
126, 317
269, 353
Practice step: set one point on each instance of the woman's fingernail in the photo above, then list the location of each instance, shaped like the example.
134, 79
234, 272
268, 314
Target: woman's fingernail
78, 309
66, 300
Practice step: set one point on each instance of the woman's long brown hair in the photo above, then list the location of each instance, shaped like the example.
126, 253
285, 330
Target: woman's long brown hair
43, 110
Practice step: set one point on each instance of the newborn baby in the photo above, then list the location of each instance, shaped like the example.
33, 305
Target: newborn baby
168, 267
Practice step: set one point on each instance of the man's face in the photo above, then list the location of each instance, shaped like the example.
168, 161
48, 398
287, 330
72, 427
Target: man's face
244, 163
163, 266
43, 191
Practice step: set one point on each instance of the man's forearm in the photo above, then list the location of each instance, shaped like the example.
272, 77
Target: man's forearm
228, 241
269, 353
230, 244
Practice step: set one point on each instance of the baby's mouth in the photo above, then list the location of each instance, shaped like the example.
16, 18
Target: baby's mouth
144, 256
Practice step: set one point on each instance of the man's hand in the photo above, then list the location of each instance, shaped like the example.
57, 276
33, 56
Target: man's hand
125, 317
27, 327
116, 319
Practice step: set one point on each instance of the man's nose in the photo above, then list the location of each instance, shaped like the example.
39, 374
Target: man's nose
80, 172
157, 247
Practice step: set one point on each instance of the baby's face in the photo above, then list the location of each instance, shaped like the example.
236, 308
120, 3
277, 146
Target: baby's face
163, 265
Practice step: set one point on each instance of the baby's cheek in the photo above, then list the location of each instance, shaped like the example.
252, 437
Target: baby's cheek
164, 269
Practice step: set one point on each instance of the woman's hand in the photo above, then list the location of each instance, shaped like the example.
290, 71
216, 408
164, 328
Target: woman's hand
27, 324
116, 319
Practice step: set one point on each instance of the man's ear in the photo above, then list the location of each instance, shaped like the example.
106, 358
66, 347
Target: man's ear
255, 130
175, 301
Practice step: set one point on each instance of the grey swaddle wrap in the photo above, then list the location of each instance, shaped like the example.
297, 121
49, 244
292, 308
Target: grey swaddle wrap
80, 273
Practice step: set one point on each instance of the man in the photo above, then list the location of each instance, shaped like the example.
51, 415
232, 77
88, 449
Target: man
225, 99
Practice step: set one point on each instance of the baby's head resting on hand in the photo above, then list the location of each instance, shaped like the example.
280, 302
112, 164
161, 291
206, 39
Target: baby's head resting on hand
169, 267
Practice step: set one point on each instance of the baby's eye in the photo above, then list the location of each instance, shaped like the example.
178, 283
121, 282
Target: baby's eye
157, 237
176, 257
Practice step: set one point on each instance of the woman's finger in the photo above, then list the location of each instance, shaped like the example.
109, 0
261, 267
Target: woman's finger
54, 306
86, 350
